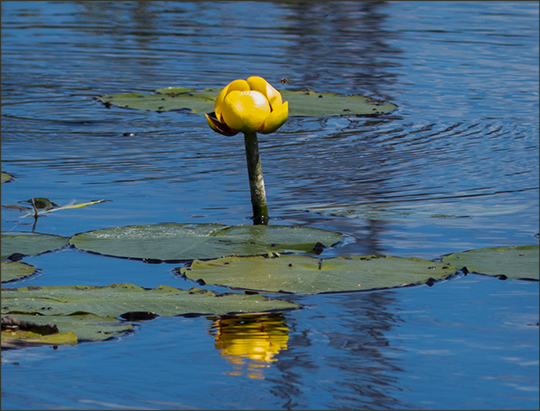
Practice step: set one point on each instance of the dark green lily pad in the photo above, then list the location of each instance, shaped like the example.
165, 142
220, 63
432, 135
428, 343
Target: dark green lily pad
172, 242
14, 270
512, 262
5, 177
118, 299
301, 274
305, 103
26, 243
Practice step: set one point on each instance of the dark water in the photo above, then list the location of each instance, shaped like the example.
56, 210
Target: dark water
463, 142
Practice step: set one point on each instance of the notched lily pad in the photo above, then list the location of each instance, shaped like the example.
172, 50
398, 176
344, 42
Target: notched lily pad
305, 103
14, 270
183, 242
511, 262
301, 274
26, 243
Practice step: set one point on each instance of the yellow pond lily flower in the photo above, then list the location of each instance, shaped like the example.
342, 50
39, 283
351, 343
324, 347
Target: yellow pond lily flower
247, 106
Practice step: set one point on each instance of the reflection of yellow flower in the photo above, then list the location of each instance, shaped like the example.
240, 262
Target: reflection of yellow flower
248, 106
252, 340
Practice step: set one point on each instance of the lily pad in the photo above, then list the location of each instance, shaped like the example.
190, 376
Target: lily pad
5, 177
308, 103
20, 333
182, 242
305, 103
512, 262
14, 270
87, 327
26, 243
308, 275
118, 299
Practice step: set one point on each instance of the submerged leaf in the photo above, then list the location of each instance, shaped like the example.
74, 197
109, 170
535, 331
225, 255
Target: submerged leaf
512, 262
300, 274
305, 103
166, 242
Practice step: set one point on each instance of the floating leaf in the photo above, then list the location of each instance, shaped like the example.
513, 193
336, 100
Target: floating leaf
306, 103
301, 274
18, 338
5, 177
173, 241
20, 333
310, 103
118, 299
87, 327
512, 262
14, 270
26, 243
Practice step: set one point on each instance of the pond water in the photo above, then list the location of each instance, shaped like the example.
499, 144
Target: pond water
463, 145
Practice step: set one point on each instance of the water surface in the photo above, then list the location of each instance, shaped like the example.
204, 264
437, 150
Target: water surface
463, 145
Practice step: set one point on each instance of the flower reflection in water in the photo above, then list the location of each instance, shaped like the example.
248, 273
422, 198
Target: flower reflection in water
250, 342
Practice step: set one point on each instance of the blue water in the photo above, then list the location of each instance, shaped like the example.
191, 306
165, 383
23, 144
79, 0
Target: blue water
463, 141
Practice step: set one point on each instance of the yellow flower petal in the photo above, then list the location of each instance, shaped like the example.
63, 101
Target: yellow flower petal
245, 110
263, 86
276, 119
241, 85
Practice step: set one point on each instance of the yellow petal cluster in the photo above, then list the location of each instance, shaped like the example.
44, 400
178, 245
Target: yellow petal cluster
247, 106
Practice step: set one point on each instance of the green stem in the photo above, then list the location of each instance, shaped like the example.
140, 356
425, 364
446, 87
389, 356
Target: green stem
256, 181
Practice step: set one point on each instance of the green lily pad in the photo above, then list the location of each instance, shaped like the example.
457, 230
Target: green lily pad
512, 262
14, 270
306, 103
26, 243
17, 333
87, 327
310, 103
5, 177
118, 299
181, 242
308, 275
